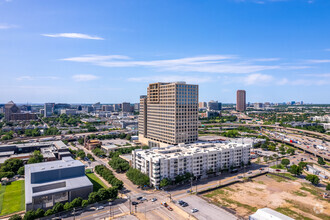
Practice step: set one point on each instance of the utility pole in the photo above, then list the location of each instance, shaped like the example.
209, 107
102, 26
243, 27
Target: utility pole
130, 205
191, 184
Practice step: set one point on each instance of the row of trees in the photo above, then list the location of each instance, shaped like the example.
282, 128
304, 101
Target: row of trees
14, 166
138, 178
119, 164
101, 195
98, 152
108, 176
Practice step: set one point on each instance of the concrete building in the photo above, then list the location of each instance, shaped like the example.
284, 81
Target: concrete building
13, 113
136, 107
325, 118
126, 107
57, 181
169, 114
268, 214
49, 109
258, 106
202, 105
109, 148
69, 111
241, 100
198, 159
107, 108
214, 106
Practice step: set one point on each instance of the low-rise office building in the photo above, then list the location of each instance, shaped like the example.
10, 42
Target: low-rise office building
58, 181
198, 159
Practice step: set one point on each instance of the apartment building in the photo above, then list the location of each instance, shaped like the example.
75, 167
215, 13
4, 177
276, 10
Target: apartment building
198, 159
169, 114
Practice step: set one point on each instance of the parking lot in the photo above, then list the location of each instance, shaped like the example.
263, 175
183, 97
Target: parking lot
206, 211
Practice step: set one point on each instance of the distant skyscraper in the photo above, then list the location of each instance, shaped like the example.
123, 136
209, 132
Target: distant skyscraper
48, 109
169, 114
241, 100
214, 106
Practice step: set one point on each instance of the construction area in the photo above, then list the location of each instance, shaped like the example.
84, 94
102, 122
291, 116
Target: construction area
293, 197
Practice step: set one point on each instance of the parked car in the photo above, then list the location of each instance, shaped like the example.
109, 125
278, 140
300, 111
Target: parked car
134, 203
154, 200
249, 172
99, 208
139, 198
184, 204
143, 199
194, 210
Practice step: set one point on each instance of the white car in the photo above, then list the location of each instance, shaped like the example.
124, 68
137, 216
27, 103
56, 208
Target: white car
99, 208
154, 200
194, 210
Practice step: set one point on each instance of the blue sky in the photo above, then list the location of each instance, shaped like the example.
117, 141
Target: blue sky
84, 51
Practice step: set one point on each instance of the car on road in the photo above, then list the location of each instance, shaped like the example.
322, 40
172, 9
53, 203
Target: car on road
134, 203
239, 177
139, 198
169, 208
250, 172
194, 210
143, 199
184, 204
99, 208
154, 200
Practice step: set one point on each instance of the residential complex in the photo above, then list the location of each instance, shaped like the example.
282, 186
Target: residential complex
198, 159
241, 100
58, 181
169, 114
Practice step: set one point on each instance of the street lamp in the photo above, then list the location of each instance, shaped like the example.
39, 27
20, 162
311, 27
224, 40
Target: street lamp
110, 210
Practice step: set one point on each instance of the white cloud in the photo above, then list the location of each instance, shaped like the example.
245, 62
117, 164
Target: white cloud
318, 61
318, 75
6, 26
205, 64
170, 78
21, 78
84, 77
74, 35
257, 79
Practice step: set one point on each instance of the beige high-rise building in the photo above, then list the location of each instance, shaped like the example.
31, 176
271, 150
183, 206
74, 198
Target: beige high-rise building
169, 114
241, 100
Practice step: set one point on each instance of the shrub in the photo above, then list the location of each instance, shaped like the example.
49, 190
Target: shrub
15, 217
49, 212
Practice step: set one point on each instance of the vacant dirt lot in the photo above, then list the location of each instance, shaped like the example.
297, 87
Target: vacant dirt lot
294, 198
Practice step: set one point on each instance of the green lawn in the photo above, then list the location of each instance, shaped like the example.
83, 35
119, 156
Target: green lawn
97, 183
12, 198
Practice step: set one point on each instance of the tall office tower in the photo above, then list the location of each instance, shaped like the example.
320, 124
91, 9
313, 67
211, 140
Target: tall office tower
48, 109
126, 107
10, 108
241, 100
169, 114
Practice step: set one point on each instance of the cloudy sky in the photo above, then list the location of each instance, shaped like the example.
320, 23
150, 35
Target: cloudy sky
84, 51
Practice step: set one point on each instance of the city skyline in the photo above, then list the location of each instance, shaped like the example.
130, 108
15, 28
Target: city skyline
275, 50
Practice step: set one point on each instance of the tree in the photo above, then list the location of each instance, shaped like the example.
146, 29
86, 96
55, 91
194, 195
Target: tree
328, 187
58, 207
39, 213
164, 182
290, 151
313, 179
67, 206
93, 198
285, 162
29, 215
137, 177
15, 217
20, 171
84, 203
11, 165
76, 202
103, 194
302, 164
49, 212
265, 158
36, 157
113, 192
320, 161
81, 154
119, 164
296, 170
